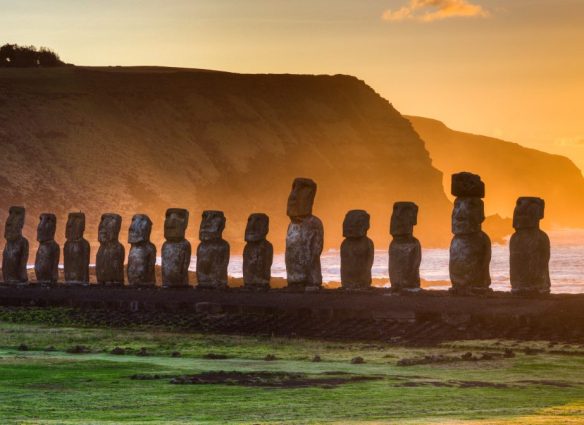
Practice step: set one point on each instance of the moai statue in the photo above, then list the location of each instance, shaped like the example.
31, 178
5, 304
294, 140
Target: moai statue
258, 253
15, 254
176, 251
470, 249
142, 256
109, 262
356, 251
46, 265
530, 248
405, 252
76, 251
304, 240
212, 252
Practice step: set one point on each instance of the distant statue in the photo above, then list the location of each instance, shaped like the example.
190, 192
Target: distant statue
176, 251
46, 265
212, 252
258, 253
76, 251
529, 248
356, 251
405, 251
304, 240
470, 249
109, 262
15, 256
142, 256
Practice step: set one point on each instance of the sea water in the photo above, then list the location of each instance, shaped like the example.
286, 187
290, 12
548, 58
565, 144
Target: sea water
566, 265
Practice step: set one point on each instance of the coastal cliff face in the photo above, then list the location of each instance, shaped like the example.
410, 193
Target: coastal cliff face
509, 170
140, 140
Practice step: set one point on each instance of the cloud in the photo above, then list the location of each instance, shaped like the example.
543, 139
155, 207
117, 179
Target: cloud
435, 10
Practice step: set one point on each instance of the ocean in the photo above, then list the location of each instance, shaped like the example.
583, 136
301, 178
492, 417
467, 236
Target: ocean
566, 264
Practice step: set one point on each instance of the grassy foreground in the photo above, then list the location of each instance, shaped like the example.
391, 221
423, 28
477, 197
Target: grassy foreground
42, 383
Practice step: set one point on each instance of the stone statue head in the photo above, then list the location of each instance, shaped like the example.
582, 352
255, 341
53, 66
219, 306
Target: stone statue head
175, 224
528, 212
467, 215
47, 227
75, 226
257, 228
403, 218
301, 198
356, 224
140, 229
14, 223
467, 185
109, 227
212, 225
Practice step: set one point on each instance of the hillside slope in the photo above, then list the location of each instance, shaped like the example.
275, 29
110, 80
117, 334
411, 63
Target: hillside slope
133, 140
509, 171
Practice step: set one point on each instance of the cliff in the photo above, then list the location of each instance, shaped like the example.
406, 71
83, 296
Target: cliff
131, 140
509, 170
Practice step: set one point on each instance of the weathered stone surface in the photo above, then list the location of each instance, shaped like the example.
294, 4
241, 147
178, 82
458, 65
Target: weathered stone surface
356, 251
301, 198
176, 251
46, 265
467, 216
109, 262
405, 251
142, 256
15, 255
212, 252
467, 185
76, 251
258, 253
470, 249
529, 248
304, 239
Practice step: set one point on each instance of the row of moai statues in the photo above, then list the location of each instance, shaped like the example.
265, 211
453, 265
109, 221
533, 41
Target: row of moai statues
470, 249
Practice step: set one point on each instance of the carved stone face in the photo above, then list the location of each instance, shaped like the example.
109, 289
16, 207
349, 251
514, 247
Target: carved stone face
301, 198
109, 227
257, 227
212, 225
47, 227
403, 218
467, 185
14, 223
528, 212
175, 224
75, 226
140, 229
467, 215
356, 224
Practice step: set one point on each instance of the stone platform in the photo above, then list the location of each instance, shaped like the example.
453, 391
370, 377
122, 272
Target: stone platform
376, 314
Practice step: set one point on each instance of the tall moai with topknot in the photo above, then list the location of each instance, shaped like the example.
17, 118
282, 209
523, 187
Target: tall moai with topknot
212, 252
405, 251
142, 256
529, 249
76, 251
15, 255
46, 265
258, 253
470, 249
176, 250
109, 262
357, 251
304, 239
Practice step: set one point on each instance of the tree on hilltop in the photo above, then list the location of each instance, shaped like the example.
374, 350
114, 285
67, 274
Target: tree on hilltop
15, 56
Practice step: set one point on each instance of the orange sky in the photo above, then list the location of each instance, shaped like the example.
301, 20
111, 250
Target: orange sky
512, 69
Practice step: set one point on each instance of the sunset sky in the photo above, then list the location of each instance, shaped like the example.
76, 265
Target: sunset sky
512, 69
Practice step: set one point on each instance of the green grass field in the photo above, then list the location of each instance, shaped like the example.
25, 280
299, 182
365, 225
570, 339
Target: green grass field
44, 384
